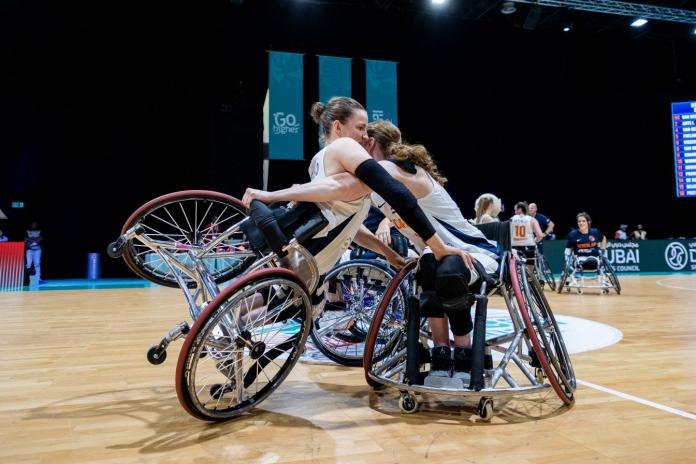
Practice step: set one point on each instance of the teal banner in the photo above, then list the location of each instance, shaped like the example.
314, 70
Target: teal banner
636, 256
285, 135
334, 77
380, 82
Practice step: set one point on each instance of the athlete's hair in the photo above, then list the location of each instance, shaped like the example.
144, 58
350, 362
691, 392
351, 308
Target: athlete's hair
418, 156
385, 134
483, 203
523, 206
586, 216
337, 109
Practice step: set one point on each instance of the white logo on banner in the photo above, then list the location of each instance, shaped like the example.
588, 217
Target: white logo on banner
285, 124
676, 256
624, 256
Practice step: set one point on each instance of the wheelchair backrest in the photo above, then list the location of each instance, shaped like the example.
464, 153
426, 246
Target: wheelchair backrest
498, 232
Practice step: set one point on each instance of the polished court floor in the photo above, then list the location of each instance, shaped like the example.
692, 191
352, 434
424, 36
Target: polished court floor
75, 387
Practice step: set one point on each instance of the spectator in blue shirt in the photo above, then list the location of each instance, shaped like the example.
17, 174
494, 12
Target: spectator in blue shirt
545, 224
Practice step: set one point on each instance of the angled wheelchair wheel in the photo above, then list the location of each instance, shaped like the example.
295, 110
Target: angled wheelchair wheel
544, 333
564, 275
243, 345
385, 348
611, 274
354, 290
545, 272
185, 222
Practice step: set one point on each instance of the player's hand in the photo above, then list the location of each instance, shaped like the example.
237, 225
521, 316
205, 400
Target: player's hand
449, 250
254, 194
397, 261
383, 234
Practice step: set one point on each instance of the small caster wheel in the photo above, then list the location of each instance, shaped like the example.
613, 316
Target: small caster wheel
579, 291
156, 356
485, 409
408, 403
539, 374
605, 291
568, 289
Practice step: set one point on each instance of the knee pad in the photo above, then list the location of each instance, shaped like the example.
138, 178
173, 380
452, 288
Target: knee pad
425, 275
452, 284
460, 322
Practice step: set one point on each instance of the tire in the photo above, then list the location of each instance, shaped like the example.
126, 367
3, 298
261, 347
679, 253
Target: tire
543, 332
261, 322
546, 273
613, 278
384, 343
174, 219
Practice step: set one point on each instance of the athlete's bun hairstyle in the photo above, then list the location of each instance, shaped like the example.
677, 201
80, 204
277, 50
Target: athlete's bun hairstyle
337, 109
316, 111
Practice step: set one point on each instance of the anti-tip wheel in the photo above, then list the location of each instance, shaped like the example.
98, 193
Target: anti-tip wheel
408, 403
485, 409
155, 355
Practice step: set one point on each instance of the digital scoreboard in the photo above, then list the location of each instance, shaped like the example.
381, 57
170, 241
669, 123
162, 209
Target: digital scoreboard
684, 136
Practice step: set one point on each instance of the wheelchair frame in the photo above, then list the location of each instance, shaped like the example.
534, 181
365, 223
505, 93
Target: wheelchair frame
604, 275
538, 357
208, 302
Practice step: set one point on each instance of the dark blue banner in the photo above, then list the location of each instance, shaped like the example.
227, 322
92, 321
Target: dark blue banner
381, 90
334, 77
285, 135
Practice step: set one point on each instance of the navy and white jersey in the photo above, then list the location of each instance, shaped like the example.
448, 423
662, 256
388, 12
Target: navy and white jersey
543, 221
585, 244
349, 215
443, 213
521, 230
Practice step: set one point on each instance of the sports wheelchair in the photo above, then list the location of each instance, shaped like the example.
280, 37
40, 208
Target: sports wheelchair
543, 272
578, 269
533, 354
248, 281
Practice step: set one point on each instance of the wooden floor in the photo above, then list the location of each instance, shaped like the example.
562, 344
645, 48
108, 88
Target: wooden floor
75, 387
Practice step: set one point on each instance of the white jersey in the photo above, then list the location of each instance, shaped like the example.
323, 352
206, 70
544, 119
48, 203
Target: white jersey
443, 213
521, 231
348, 214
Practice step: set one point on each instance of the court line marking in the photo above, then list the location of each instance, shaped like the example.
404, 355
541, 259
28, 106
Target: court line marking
626, 396
660, 283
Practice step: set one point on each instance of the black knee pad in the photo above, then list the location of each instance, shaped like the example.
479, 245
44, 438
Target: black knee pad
452, 284
425, 275
460, 322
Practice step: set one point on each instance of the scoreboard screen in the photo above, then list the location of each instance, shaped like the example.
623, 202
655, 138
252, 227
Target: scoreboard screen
684, 136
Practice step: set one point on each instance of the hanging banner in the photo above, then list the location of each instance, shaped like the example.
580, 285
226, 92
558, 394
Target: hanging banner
380, 82
285, 137
334, 77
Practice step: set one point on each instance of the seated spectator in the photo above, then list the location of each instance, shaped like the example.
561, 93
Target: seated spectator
639, 233
3, 237
621, 233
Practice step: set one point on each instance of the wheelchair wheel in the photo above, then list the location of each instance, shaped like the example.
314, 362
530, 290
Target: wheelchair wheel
545, 273
385, 347
544, 332
613, 278
243, 345
564, 275
187, 221
341, 329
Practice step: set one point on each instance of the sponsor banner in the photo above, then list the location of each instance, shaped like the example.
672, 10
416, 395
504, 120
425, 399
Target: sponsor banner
285, 134
380, 89
636, 256
334, 77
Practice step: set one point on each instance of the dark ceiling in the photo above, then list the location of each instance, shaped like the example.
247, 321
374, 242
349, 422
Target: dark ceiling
533, 17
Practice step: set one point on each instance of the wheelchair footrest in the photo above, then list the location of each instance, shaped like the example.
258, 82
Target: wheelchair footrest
447, 382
